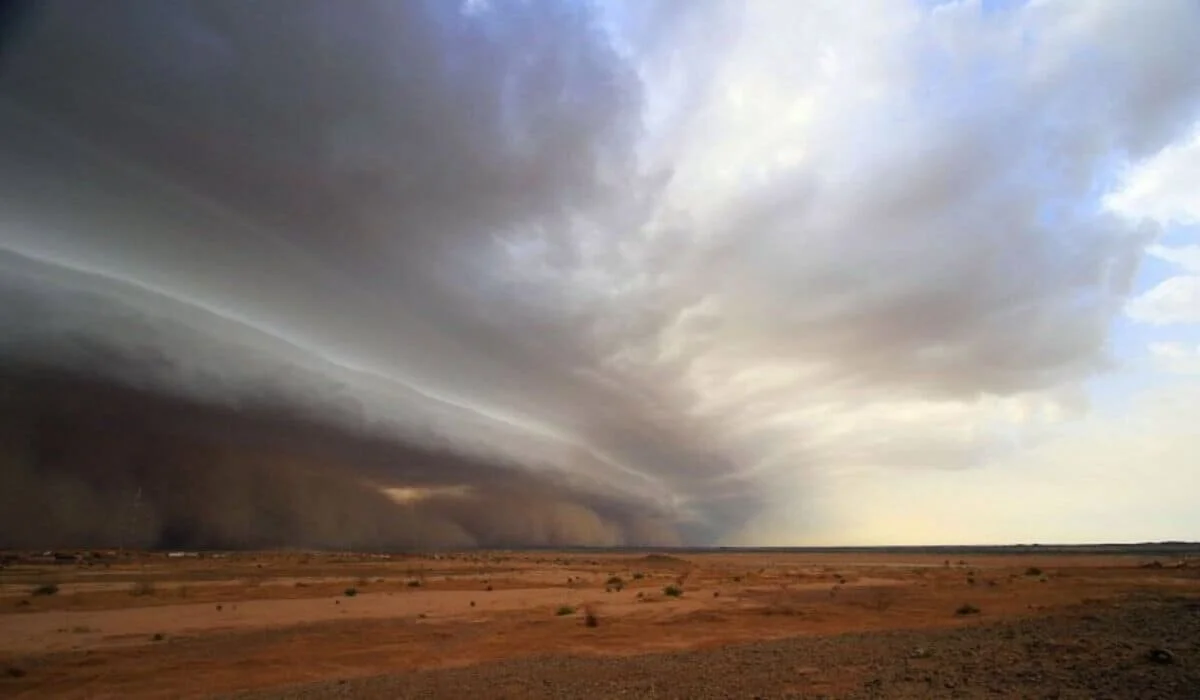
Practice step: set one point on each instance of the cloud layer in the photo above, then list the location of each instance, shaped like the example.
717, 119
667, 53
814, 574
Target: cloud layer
688, 258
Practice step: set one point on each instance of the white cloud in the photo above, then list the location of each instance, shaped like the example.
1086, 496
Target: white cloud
1176, 357
1164, 187
1174, 300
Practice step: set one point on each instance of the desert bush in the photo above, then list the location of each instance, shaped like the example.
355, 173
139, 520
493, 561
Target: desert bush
673, 591
967, 609
45, 589
884, 598
142, 588
590, 618
615, 581
565, 610
1033, 571
414, 584
351, 592
638, 576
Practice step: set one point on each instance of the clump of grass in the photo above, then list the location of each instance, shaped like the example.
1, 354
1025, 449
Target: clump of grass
472, 603
1033, 571
414, 584
351, 592
142, 588
565, 610
589, 617
489, 587
967, 609
158, 637
45, 589
14, 672
673, 591
638, 576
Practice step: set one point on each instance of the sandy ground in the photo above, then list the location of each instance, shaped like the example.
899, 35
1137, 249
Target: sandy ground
149, 626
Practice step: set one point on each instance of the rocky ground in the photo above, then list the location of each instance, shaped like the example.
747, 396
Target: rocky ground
1144, 647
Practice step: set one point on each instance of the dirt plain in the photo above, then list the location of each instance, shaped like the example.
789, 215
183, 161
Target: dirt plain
520, 624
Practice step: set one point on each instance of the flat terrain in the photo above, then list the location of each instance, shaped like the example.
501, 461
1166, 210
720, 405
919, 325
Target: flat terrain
516, 624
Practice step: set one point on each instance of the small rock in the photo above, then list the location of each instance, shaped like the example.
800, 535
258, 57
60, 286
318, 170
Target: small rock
1161, 656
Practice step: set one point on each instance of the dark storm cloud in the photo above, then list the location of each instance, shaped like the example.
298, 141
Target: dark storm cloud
123, 427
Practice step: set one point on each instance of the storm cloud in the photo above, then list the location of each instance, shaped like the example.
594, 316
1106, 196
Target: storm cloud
554, 272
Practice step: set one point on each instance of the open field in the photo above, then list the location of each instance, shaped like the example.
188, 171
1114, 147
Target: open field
515, 624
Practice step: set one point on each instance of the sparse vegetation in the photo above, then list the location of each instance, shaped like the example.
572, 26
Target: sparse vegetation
638, 576
967, 609
589, 617
673, 591
565, 610
45, 589
351, 592
1033, 571
158, 637
414, 584
14, 672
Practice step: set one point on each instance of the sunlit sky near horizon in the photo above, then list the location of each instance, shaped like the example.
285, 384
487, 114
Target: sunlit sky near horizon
792, 273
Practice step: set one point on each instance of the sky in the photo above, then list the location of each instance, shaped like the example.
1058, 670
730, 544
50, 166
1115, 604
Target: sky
641, 271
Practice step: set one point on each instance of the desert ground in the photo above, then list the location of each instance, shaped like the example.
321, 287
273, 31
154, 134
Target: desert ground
599, 624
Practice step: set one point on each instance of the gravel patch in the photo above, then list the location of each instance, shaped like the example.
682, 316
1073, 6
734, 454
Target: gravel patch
1141, 648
